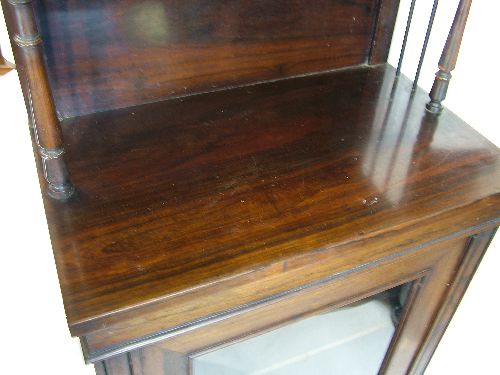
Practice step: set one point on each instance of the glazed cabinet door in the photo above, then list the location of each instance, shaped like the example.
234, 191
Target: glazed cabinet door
385, 317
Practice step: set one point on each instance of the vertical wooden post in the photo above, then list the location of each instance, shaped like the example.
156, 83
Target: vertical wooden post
449, 58
46, 127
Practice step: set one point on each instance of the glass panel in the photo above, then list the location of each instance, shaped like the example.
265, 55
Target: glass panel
350, 340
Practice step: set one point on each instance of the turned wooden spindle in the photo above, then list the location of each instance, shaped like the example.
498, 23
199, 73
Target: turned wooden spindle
449, 58
27, 44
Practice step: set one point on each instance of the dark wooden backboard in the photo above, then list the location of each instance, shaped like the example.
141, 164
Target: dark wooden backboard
105, 55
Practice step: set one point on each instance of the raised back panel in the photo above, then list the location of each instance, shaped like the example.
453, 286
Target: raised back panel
110, 54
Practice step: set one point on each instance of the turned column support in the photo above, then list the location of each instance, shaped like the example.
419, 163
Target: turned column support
449, 57
41, 109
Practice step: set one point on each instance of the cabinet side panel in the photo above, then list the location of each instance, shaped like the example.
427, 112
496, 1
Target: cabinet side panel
475, 252
433, 305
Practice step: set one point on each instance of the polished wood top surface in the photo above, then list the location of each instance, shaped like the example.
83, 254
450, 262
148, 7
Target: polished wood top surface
181, 194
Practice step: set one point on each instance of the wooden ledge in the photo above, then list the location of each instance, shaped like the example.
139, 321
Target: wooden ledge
184, 207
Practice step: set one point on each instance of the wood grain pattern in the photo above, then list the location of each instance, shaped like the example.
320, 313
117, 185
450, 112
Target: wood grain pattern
209, 305
439, 272
209, 218
107, 54
335, 293
183, 216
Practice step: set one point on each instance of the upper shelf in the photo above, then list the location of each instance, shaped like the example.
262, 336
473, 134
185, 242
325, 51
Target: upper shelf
115, 54
178, 195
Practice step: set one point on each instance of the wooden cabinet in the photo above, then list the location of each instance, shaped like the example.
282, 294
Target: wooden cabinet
227, 172
436, 277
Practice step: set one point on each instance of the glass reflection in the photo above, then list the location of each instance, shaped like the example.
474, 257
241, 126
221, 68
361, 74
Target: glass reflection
351, 340
392, 139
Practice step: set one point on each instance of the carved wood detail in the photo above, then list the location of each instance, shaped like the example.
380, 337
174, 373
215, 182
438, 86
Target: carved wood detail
43, 117
449, 57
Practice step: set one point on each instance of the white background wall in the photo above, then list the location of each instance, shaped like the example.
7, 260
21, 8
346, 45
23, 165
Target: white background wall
33, 332
470, 345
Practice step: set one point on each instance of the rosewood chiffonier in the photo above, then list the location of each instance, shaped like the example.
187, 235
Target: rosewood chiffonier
248, 187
